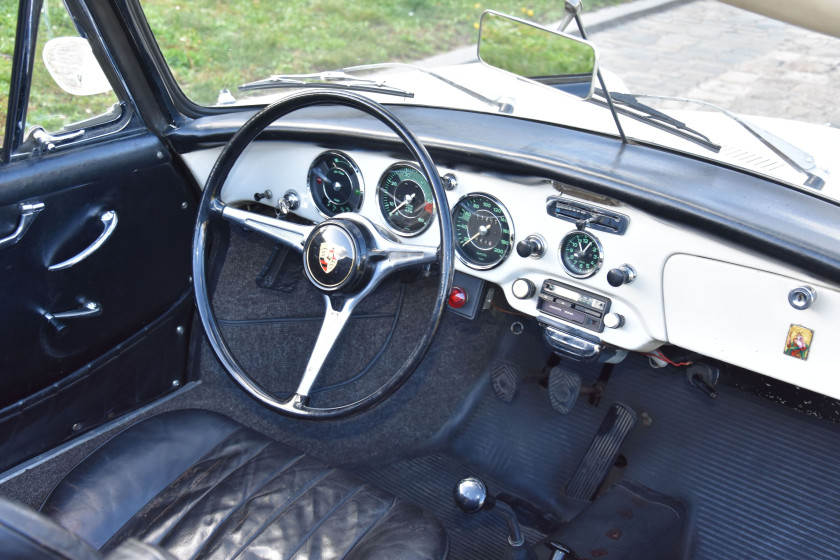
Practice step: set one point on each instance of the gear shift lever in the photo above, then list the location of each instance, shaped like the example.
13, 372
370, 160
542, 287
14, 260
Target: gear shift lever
471, 496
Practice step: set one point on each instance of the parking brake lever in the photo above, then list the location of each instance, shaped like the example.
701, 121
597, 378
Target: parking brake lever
471, 496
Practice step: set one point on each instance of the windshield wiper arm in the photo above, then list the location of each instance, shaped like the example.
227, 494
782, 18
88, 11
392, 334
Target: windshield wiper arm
501, 106
658, 119
795, 157
329, 80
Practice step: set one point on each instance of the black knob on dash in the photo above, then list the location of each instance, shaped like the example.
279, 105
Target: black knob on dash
624, 274
531, 246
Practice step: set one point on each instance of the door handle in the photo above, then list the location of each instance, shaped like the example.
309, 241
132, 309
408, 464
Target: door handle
109, 224
28, 213
88, 309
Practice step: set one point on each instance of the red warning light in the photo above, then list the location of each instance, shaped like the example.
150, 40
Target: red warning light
457, 298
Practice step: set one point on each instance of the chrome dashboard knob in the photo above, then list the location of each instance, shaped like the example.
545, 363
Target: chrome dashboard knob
802, 298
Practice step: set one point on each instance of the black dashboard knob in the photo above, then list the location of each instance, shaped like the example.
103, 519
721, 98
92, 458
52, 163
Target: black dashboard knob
624, 274
532, 246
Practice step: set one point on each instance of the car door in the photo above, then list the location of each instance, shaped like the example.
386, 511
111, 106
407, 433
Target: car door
95, 227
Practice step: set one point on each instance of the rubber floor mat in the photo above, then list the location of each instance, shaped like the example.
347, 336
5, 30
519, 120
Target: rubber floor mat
429, 481
759, 480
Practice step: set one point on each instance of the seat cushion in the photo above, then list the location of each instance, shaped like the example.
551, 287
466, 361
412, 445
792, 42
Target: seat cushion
202, 486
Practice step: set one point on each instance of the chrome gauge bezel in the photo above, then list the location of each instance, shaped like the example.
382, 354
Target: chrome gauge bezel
390, 226
356, 170
512, 235
597, 243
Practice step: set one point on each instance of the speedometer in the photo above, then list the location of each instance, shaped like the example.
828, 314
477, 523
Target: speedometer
405, 199
483, 231
336, 184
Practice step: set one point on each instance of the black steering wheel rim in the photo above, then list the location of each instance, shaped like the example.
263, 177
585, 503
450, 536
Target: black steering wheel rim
210, 210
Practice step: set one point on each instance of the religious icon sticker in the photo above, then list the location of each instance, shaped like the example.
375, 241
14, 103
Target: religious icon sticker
798, 342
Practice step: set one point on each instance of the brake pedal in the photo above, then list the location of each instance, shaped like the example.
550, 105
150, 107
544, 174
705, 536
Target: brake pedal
563, 389
602, 453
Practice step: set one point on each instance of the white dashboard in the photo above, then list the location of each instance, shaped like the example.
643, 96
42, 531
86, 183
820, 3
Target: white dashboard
690, 289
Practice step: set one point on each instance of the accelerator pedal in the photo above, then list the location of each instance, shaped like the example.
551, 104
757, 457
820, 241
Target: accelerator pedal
602, 453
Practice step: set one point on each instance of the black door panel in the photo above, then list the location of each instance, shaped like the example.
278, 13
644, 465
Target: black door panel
136, 276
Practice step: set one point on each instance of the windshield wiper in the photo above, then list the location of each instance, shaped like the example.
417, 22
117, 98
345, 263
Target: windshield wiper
628, 105
329, 80
795, 157
501, 106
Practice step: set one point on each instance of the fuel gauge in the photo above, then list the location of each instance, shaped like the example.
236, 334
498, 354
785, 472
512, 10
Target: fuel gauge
335, 183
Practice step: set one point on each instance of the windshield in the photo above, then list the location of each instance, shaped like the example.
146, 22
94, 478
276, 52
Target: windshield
250, 52
215, 45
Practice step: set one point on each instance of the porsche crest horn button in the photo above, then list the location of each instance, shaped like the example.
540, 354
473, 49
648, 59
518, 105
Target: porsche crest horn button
329, 255
335, 256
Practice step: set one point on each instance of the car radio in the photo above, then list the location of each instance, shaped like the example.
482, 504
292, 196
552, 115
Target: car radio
571, 304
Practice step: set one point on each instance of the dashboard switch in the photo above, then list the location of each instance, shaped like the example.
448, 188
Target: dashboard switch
802, 297
613, 320
523, 288
449, 181
532, 246
624, 274
457, 297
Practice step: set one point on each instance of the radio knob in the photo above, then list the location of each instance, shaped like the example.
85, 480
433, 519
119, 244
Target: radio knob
523, 288
624, 274
613, 320
532, 246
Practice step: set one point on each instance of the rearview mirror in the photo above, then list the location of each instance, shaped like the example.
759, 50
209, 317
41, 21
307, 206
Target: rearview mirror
71, 63
537, 53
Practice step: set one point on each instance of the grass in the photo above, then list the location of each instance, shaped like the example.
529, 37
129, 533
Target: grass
216, 44
529, 51
49, 106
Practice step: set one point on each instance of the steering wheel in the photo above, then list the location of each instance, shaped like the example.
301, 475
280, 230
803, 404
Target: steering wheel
345, 257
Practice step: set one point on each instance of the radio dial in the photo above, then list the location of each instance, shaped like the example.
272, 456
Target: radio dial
523, 288
613, 320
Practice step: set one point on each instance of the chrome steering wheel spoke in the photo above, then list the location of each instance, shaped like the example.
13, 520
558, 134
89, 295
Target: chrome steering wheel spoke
391, 254
288, 233
332, 327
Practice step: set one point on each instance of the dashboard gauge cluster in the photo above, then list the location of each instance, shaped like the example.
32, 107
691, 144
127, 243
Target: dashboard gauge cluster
336, 184
581, 254
483, 231
405, 199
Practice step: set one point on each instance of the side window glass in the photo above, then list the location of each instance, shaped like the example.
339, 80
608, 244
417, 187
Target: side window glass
69, 90
8, 25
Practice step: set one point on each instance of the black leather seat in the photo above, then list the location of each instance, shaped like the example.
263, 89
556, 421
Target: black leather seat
202, 486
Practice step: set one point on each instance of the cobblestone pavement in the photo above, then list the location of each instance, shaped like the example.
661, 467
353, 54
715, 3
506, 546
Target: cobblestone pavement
714, 52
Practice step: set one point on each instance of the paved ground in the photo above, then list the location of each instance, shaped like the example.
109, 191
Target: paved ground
707, 50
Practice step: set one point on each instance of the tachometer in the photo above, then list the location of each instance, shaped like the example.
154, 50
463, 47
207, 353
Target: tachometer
336, 184
483, 231
581, 254
405, 199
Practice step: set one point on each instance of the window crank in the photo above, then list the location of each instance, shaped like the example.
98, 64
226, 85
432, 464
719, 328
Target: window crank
88, 309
